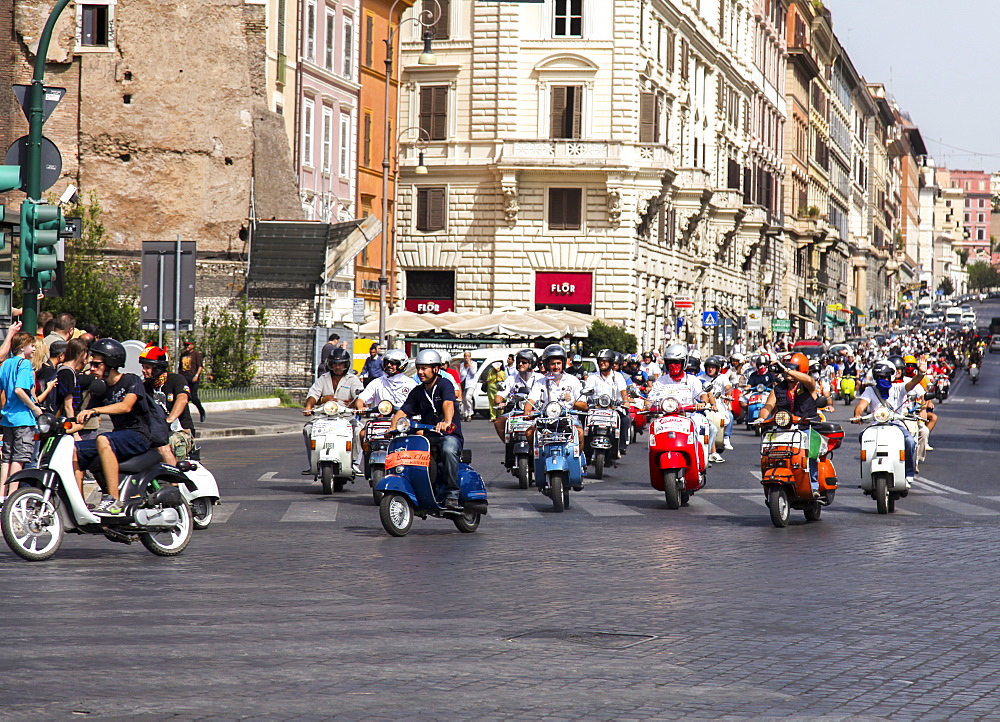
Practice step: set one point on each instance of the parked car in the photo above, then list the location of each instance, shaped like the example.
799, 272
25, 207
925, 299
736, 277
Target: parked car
995, 345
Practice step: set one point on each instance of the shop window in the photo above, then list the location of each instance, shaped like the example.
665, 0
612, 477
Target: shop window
431, 209
565, 209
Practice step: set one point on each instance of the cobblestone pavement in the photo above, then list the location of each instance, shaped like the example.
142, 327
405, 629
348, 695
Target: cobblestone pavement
294, 605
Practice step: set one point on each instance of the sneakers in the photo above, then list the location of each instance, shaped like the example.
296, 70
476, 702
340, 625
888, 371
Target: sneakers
727, 444
909, 482
108, 506
929, 447
716, 458
816, 494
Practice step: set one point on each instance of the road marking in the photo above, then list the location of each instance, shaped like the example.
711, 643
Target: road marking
757, 500
919, 485
983, 401
522, 510
310, 511
702, 507
939, 485
604, 508
869, 507
222, 512
756, 474
268, 476
960, 507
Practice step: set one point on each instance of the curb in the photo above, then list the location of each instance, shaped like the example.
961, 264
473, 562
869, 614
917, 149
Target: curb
241, 405
271, 430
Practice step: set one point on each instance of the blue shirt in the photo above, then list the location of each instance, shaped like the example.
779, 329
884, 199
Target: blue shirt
17, 373
428, 404
372, 369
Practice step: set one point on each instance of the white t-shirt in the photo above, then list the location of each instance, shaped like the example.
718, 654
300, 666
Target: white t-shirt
651, 369
393, 388
666, 387
347, 390
515, 382
896, 400
612, 385
566, 390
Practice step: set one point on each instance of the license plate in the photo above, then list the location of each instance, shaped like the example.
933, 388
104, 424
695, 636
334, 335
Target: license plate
783, 437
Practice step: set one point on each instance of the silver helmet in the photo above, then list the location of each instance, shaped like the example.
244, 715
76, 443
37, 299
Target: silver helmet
396, 356
428, 357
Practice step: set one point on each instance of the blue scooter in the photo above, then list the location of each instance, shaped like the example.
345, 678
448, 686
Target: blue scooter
558, 456
414, 484
756, 398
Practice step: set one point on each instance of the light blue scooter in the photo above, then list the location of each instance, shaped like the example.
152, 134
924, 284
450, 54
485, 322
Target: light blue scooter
559, 459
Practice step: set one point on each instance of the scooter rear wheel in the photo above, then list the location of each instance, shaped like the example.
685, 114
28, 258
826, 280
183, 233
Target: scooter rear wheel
777, 504
522, 472
396, 514
377, 474
201, 512
170, 542
670, 490
468, 522
814, 511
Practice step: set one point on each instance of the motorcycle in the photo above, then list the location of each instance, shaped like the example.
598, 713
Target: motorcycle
331, 440
558, 456
974, 373
677, 457
517, 447
601, 432
201, 491
848, 387
36, 517
756, 397
415, 483
943, 386
883, 458
376, 444
784, 466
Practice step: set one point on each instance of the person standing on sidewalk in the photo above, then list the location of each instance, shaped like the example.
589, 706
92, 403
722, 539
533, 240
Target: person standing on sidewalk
17, 381
332, 342
467, 373
191, 366
373, 368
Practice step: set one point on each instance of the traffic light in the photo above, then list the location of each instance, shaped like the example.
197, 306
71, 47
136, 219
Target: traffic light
40, 228
10, 178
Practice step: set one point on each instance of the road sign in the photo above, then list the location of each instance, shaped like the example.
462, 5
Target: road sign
781, 325
781, 313
834, 307
755, 318
359, 310
17, 154
680, 324
683, 302
50, 99
709, 319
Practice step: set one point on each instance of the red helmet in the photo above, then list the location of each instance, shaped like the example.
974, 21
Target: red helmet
154, 356
796, 362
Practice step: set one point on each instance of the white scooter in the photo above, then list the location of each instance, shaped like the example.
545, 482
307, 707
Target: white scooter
201, 490
331, 442
974, 372
883, 458
36, 517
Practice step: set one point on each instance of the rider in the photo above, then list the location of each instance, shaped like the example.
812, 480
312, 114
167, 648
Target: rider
337, 385
576, 368
517, 383
718, 386
610, 382
674, 359
171, 391
795, 393
393, 386
434, 401
121, 399
893, 395
555, 385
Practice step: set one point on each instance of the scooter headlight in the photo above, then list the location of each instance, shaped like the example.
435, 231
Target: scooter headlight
46, 422
403, 425
331, 407
783, 419
384, 407
671, 406
604, 401
552, 410
882, 414
761, 388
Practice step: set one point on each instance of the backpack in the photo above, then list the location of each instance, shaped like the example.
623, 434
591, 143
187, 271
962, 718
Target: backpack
156, 422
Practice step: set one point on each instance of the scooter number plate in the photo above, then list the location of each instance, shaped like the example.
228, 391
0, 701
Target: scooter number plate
672, 423
783, 437
321, 426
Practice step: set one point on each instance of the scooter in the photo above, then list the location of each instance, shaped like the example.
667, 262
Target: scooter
677, 457
558, 457
756, 397
883, 458
415, 483
517, 447
784, 465
943, 385
974, 373
201, 491
331, 441
848, 386
639, 416
376, 445
600, 436
36, 517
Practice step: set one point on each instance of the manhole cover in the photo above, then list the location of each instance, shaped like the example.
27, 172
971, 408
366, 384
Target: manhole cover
602, 640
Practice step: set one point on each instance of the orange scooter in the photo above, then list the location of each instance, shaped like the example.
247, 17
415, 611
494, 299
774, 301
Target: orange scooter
784, 464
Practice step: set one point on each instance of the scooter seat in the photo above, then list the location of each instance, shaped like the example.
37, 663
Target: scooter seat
141, 462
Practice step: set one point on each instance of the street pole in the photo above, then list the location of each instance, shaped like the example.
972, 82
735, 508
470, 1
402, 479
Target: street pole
177, 297
33, 170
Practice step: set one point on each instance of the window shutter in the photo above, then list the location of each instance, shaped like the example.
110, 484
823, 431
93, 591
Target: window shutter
558, 111
440, 29
647, 112
422, 209
657, 114
427, 111
577, 96
440, 125
435, 213
573, 207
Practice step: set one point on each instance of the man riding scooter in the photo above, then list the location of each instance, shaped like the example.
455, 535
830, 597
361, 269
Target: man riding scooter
517, 383
612, 383
336, 385
556, 386
434, 401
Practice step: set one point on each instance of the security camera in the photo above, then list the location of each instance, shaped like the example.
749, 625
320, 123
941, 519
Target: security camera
69, 195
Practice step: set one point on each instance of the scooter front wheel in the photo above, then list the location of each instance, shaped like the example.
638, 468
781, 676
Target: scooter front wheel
598, 464
326, 478
777, 503
556, 486
522, 472
396, 514
32, 528
880, 491
670, 490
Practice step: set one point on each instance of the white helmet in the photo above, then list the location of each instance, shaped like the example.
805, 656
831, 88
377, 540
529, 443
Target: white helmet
428, 357
445, 357
396, 356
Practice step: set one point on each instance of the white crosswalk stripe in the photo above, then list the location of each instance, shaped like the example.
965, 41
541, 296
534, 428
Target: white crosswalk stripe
604, 508
960, 507
309, 511
702, 507
939, 485
222, 512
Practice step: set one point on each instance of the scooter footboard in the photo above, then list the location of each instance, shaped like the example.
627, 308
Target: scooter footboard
394, 482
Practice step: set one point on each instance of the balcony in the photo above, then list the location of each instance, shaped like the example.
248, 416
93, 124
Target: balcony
573, 153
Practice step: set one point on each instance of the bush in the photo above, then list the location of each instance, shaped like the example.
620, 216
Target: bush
230, 344
601, 335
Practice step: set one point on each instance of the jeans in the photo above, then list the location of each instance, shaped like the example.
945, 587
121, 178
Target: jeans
729, 424
451, 449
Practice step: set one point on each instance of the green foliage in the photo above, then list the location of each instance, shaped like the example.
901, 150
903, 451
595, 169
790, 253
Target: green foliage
601, 335
94, 294
982, 275
963, 255
230, 343
946, 286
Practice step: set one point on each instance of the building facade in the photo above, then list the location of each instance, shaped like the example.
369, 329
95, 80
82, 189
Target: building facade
976, 220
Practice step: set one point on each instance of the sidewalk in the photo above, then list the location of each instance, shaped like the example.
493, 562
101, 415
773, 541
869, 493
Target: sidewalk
249, 422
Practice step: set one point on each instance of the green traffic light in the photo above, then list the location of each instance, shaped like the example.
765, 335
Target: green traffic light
40, 228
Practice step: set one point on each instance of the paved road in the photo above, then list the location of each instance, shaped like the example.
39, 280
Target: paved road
298, 605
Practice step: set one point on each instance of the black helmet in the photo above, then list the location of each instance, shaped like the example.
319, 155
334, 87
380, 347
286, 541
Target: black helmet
526, 354
692, 365
897, 361
553, 351
110, 350
760, 360
884, 370
338, 356
716, 361
606, 354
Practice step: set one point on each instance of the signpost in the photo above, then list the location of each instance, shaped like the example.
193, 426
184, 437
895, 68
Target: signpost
755, 319
167, 297
709, 319
781, 325
683, 302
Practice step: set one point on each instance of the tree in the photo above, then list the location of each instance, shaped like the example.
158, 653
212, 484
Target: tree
946, 287
963, 255
230, 344
601, 335
982, 275
91, 293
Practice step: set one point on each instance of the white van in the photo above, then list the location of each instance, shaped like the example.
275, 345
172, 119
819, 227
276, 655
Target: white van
953, 314
486, 356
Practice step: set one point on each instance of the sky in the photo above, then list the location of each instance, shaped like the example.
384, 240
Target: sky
940, 60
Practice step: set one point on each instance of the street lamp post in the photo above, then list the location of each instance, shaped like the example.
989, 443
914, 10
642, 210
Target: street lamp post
425, 19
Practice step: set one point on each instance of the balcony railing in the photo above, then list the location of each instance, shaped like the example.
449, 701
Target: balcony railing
574, 152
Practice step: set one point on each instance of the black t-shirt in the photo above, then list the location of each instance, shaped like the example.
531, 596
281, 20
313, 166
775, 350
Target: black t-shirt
167, 394
67, 385
767, 378
135, 419
429, 405
42, 377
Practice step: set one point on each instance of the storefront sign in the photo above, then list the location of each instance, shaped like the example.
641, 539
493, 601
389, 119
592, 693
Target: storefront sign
571, 289
423, 305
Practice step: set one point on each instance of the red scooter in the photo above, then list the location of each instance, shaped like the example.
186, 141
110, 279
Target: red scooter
638, 413
678, 454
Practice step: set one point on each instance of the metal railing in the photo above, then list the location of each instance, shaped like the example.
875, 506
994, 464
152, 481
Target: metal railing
236, 394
